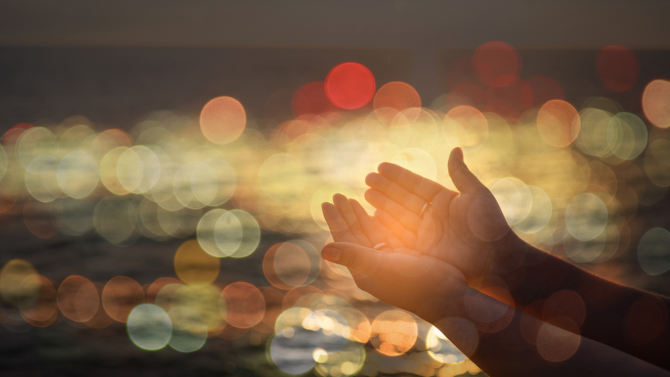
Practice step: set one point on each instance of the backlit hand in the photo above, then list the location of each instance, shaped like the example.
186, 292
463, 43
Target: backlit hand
395, 274
461, 229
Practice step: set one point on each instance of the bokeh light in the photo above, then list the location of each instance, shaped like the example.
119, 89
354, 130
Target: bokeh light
393, 332
222, 120
193, 265
558, 123
149, 327
656, 103
653, 251
350, 85
496, 64
617, 67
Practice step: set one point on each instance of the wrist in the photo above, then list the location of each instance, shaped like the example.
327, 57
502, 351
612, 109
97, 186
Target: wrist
509, 254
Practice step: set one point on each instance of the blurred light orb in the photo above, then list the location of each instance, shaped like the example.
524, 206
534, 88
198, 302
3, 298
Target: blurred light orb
417, 161
138, 169
115, 219
189, 329
149, 327
393, 98
183, 188
593, 136
223, 233
12, 275
41, 178
204, 298
467, 124
78, 174
4, 162
558, 123
539, 214
109, 174
35, 142
78, 298
656, 103
442, 349
292, 354
222, 120
120, 295
40, 292
311, 99
393, 332
617, 67
251, 234
282, 177
193, 265
496, 63
586, 216
296, 263
213, 182
350, 85
75, 217
626, 136
291, 264
653, 251
244, 303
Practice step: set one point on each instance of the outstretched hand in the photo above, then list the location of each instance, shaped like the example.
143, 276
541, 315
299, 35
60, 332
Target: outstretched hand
463, 229
392, 272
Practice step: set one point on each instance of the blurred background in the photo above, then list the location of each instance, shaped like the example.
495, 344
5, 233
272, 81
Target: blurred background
162, 168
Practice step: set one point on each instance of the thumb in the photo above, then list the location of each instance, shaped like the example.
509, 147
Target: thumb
462, 177
355, 257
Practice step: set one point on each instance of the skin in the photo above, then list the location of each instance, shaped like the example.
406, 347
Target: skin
469, 231
437, 292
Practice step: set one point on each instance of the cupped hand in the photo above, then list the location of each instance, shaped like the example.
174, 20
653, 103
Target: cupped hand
463, 229
391, 272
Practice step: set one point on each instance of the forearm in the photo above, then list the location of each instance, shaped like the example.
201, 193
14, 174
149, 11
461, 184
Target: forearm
494, 336
622, 317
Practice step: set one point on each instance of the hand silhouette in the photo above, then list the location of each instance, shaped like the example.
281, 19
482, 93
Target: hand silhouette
463, 229
397, 275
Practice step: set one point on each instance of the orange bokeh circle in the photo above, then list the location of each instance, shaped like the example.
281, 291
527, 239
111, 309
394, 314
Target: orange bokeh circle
393, 332
245, 304
656, 103
120, 295
78, 299
558, 123
222, 120
393, 98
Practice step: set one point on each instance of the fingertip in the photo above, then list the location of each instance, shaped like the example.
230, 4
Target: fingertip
331, 253
370, 178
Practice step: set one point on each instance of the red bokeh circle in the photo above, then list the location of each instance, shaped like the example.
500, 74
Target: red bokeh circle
618, 68
350, 85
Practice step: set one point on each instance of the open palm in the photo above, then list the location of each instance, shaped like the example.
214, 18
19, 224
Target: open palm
462, 229
391, 272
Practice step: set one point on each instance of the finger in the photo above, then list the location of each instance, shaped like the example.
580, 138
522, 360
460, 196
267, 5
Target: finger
395, 192
463, 179
404, 216
423, 187
344, 207
372, 230
338, 227
355, 257
407, 237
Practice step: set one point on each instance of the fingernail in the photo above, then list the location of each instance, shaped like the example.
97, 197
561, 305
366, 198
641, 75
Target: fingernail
460, 152
331, 254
